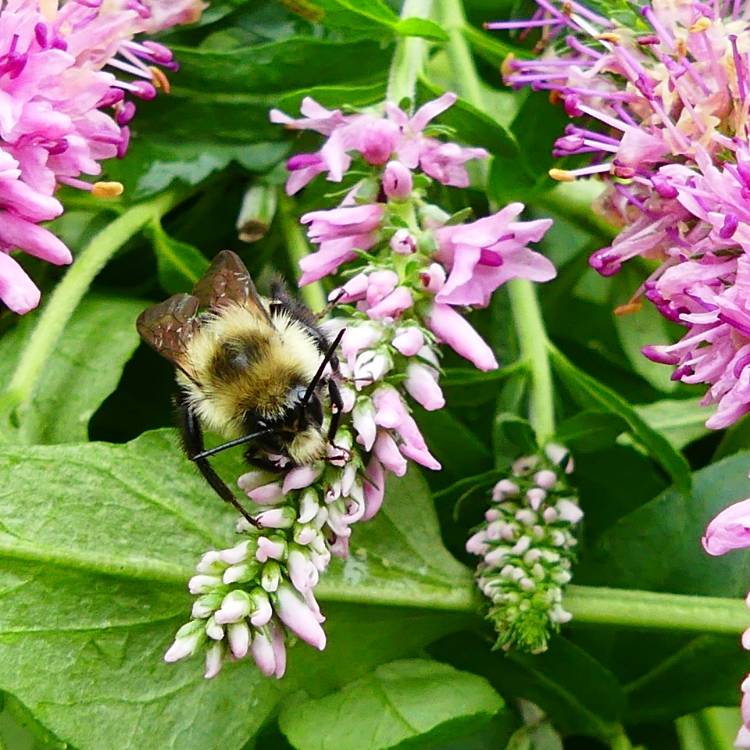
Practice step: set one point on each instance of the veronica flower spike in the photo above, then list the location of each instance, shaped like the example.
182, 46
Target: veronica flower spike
402, 286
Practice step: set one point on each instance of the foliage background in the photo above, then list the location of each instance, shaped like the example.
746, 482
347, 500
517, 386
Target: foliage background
101, 518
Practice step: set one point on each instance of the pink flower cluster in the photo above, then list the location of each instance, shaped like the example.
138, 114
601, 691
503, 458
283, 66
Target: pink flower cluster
730, 530
397, 303
54, 91
665, 116
429, 267
377, 140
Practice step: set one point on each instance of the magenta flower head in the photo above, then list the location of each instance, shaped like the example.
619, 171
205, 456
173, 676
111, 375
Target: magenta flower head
645, 100
56, 84
663, 115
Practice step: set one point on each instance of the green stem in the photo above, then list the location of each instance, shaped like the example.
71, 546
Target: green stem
408, 59
655, 611
532, 338
297, 247
620, 742
69, 292
712, 728
527, 314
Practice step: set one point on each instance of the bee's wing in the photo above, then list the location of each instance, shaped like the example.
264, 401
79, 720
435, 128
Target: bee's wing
227, 280
168, 327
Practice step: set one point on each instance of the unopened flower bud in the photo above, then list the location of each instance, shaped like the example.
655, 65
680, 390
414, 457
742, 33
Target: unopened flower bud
235, 606
271, 576
403, 242
397, 181
525, 544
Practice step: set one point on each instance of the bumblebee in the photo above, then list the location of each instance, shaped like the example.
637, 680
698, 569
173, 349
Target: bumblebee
258, 371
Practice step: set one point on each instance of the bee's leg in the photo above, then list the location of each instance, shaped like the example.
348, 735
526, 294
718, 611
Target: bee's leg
192, 439
334, 394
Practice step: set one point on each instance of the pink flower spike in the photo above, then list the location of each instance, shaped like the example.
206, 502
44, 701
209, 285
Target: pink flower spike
399, 300
397, 181
300, 477
269, 549
433, 278
263, 653
408, 341
403, 242
421, 455
268, 494
421, 384
431, 110
729, 530
444, 162
298, 617
279, 649
17, 290
389, 455
455, 331
379, 285
374, 488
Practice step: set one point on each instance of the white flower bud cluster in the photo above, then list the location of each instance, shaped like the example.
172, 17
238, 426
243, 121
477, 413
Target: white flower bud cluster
252, 596
527, 548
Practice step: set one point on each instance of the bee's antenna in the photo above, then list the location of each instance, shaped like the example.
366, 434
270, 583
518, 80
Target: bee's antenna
319, 374
231, 444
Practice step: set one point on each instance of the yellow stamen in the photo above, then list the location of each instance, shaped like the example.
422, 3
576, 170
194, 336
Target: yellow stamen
106, 189
628, 309
555, 97
561, 175
48, 9
701, 24
505, 67
160, 80
609, 36
567, 8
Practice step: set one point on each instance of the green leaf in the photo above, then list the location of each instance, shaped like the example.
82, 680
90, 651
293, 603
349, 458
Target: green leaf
642, 328
96, 544
289, 64
402, 548
83, 370
578, 693
523, 173
687, 680
458, 448
590, 431
589, 392
421, 27
490, 48
473, 126
673, 523
180, 264
416, 701
514, 436
373, 17
154, 164
681, 421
